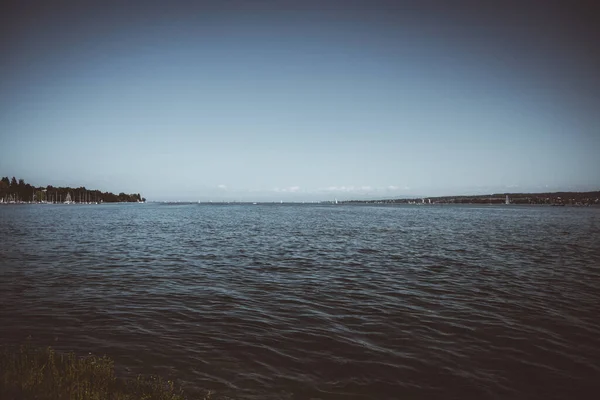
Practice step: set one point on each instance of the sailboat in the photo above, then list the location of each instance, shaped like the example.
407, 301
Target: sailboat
68, 199
507, 201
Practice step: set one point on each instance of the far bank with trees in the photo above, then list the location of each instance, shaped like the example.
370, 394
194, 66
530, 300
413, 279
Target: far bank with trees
13, 191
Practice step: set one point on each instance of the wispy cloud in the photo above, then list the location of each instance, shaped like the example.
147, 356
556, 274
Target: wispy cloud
340, 189
365, 189
221, 186
289, 189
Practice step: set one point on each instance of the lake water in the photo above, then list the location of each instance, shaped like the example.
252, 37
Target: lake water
314, 301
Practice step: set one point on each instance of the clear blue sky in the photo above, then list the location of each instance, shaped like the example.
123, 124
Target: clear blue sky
290, 100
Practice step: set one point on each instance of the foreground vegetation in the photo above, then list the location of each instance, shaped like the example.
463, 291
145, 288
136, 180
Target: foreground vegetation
30, 373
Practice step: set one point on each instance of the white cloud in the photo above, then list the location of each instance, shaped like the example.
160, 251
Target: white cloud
348, 189
290, 189
221, 186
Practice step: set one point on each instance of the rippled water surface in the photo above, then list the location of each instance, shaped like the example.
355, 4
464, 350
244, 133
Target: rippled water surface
308, 301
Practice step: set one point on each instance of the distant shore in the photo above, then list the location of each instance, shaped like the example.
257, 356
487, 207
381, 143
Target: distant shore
552, 199
13, 191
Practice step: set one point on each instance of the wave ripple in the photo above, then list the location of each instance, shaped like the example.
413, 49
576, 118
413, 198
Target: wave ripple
328, 302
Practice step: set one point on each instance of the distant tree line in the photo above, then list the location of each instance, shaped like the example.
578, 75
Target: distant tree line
13, 190
555, 198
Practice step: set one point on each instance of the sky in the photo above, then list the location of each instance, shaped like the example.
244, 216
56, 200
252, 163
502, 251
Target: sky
301, 100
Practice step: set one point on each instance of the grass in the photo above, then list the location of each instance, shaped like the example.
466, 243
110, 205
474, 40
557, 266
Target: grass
28, 373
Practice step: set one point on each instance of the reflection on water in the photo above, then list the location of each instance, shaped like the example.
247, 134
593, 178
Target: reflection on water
329, 302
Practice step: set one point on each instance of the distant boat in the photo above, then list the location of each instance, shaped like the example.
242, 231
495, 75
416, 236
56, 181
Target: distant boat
68, 199
507, 201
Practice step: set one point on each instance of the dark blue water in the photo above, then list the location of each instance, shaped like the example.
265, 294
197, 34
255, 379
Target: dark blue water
327, 302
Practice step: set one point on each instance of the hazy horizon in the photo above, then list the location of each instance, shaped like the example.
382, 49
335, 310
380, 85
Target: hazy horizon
284, 101
324, 194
